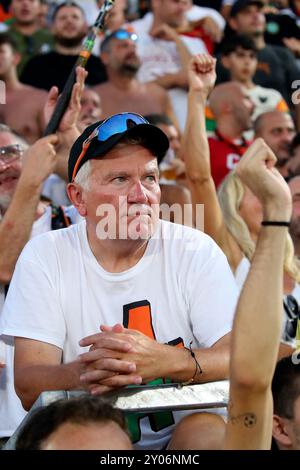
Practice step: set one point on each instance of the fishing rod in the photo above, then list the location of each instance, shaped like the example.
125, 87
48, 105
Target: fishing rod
83, 57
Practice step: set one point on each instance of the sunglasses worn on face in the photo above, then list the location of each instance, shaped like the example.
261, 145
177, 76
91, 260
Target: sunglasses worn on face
10, 153
113, 125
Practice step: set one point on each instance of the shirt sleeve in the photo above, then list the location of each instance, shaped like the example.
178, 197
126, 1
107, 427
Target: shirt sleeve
27, 315
212, 296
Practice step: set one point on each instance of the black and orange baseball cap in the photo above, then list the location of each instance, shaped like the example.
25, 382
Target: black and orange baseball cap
102, 136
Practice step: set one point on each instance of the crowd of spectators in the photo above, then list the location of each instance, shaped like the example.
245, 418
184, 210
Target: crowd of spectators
220, 81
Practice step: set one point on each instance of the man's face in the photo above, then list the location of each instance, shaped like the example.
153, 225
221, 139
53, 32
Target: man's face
116, 18
90, 109
278, 131
44, 8
69, 24
294, 185
122, 56
296, 425
172, 12
293, 427
126, 182
9, 171
242, 107
8, 59
241, 63
174, 140
250, 20
293, 164
26, 11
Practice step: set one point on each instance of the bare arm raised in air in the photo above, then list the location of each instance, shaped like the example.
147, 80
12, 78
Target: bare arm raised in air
202, 77
258, 320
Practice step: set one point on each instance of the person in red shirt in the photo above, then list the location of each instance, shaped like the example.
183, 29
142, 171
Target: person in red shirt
232, 109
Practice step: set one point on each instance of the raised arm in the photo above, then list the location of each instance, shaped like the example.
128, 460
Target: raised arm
16, 225
68, 131
257, 325
202, 77
46, 156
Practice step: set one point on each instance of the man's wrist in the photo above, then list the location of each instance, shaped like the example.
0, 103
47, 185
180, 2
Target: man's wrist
29, 184
199, 95
178, 364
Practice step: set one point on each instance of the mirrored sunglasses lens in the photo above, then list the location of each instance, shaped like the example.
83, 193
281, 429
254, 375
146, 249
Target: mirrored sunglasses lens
122, 35
118, 124
125, 35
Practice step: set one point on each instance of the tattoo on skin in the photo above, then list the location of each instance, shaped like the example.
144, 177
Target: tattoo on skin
249, 419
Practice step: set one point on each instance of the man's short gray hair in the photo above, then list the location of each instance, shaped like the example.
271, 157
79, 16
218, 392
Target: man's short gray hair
83, 175
6, 129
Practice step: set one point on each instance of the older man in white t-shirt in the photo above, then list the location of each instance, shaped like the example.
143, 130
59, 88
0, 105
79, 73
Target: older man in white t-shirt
152, 285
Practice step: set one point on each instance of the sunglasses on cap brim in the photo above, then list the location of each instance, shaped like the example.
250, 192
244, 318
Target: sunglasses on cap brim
117, 124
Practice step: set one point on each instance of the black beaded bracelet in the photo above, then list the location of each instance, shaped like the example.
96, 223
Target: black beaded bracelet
275, 223
198, 369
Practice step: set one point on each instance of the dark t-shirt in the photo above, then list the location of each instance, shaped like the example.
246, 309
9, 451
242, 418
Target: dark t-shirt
279, 27
47, 70
40, 42
276, 69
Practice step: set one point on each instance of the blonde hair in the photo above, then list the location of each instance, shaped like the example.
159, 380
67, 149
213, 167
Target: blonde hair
230, 196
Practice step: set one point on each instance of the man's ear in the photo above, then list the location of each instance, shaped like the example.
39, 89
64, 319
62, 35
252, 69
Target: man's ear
17, 58
233, 24
76, 196
280, 433
225, 62
104, 56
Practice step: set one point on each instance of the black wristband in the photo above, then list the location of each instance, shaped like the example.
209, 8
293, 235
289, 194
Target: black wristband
275, 223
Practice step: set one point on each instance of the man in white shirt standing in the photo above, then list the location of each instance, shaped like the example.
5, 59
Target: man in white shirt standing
164, 53
149, 285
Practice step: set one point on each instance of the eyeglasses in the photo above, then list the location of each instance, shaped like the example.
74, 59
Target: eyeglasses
292, 311
113, 125
10, 154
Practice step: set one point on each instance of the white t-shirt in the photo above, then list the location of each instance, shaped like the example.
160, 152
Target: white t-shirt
197, 13
160, 57
11, 410
55, 188
59, 294
266, 99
